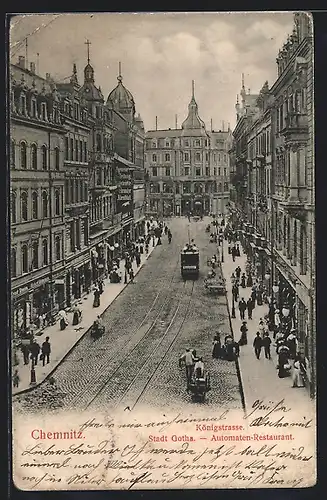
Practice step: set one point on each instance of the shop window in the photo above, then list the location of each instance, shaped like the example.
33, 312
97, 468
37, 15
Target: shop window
13, 207
35, 254
24, 211
34, 156
44, 158
13, 264
44, 205
57, 202
34, 205
45, 254
57, 247
24, 259
57, 158
23, 155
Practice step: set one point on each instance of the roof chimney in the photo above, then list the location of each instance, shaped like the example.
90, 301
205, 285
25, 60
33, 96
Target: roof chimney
32, 67
21, 62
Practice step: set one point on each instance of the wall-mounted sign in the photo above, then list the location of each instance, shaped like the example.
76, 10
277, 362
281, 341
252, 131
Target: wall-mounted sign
125, 190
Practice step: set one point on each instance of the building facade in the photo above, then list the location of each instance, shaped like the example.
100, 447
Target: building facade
37, 196
188, 168
274, 186
77, 187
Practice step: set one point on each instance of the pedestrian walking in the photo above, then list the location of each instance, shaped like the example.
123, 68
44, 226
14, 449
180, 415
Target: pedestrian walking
131, 275
238, 252
242, 306
266, 342
250, 306
169, 236
34, 350
297, 376
235, 292
46, 350
100, 286
138, 259
188, 359
238, 272
291, 343
76, 315
249, 282
283, 363
216, 351
234, 253
63, 320
244, 334
243, 281
26, 352
15, 379
254, 294
96, 299
257, 344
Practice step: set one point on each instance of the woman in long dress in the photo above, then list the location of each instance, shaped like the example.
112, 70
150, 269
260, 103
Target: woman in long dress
297, 377
216, 351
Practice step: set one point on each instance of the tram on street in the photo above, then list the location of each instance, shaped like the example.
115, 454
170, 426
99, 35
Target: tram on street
190, 261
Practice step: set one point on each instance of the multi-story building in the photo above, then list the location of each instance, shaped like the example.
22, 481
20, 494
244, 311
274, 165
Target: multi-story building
77, 186
37, 196
188, 168
76, 121
274, 186
293, 185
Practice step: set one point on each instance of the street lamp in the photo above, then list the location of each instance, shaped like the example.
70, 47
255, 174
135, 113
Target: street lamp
33, 375
233, 307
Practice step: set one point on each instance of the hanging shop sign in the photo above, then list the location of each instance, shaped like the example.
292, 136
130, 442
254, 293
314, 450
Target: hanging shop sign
125, 191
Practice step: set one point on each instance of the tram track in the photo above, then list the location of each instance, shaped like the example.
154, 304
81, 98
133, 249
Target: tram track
135, 391
128, 368
100, 375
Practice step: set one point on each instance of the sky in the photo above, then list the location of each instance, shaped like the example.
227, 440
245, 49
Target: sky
160, 55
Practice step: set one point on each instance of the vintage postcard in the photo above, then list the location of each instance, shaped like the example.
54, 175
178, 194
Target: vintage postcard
163, 297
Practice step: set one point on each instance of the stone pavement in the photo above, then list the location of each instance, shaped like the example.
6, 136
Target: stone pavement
259, 377
63, 341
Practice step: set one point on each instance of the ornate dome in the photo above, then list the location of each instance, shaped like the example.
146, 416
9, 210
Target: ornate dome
193, 121
120, 98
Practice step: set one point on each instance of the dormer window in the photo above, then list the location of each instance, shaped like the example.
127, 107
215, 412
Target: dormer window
43, 111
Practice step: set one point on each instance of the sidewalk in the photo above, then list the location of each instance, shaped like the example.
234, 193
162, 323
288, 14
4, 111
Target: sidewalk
259, 377
63, 341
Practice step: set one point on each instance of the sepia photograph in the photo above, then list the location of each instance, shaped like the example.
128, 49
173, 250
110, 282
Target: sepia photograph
162, 239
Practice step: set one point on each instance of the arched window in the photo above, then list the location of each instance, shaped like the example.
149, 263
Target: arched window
44, 204
44, 158
34, 156
13, 263
24, 211
45, 257
35, 254
13, 207
58, 247
57, 202
23, 155
34, 205
13, 154
303, 250
57, 158
24, 259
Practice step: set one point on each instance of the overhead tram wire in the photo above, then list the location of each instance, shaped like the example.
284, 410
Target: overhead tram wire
20, 43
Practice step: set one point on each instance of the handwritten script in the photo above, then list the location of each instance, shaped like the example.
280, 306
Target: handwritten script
225, 450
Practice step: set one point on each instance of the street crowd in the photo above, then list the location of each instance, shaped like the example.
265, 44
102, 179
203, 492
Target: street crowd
33, 352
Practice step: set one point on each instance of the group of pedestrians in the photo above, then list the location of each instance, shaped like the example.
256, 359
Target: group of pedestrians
33, 352
194, 365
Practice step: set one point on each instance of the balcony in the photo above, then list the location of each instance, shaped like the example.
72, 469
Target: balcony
296, 126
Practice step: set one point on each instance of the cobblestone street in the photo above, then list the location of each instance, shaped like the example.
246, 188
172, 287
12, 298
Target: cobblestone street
147, 328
